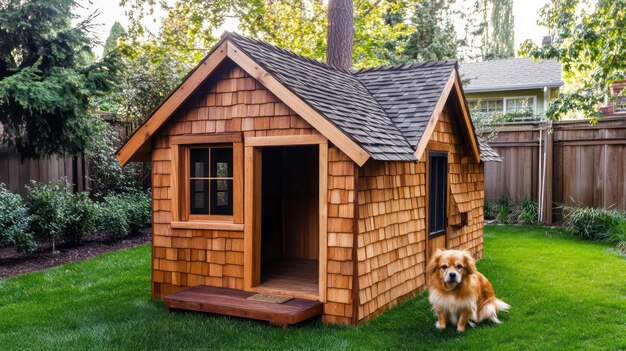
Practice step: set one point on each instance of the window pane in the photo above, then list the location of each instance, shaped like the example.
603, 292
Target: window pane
221, 162
198, 196
199, 163
520, 105
221, 197
437, 191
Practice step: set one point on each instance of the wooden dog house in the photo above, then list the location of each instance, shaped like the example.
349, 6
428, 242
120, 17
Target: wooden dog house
279, 174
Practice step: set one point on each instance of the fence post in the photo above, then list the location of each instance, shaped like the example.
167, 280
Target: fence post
548, 181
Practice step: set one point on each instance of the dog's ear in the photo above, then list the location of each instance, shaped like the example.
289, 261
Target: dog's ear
433, 266
470, 264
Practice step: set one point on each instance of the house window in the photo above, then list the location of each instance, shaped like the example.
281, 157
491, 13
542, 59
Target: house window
437, 192
211, 180
486, 105
520, 105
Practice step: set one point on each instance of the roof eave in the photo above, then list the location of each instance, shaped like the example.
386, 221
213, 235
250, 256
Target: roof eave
469, 89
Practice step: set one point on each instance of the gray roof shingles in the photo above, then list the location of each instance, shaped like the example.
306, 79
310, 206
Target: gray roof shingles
384, 109
510, 74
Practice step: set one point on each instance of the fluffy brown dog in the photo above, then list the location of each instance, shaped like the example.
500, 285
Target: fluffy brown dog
459, 293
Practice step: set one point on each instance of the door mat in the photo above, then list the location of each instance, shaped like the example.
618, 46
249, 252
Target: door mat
270, 298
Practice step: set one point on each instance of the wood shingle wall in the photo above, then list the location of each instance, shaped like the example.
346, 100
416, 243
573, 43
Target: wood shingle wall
231, 101
392, 219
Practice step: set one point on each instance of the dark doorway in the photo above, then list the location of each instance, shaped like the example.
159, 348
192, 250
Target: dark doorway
290, 218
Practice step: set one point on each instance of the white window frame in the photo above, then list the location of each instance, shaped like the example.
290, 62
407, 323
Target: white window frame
534, 103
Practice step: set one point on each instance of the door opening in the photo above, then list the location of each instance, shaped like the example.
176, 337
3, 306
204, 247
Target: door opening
290, 219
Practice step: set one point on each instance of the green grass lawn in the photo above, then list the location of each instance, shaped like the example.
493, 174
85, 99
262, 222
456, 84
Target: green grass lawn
565, 294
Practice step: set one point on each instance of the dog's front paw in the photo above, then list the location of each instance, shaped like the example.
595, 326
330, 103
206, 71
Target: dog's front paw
460, 328
440, 326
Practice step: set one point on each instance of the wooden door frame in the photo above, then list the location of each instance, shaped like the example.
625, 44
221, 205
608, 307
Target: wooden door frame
252, 205
435, 146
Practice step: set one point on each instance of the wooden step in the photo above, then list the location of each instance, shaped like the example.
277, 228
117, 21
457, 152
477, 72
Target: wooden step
232, 302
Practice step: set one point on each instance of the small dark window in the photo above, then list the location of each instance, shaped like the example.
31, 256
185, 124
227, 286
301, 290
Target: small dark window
437, 192
211, 181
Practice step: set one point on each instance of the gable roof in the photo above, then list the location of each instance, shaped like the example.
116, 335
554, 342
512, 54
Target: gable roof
355, 110
510, 74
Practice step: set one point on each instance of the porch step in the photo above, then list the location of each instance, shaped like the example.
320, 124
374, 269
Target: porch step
232, 302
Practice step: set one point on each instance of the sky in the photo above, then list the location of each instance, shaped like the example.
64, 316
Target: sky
526, 13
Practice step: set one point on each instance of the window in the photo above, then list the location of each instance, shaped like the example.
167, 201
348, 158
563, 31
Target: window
437, 192
520, 105
211, 180
486, 105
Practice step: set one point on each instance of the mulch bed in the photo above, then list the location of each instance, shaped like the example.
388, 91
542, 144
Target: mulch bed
14, 263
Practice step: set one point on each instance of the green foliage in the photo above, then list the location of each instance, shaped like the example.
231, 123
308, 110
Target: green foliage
490, 210
115, 34
595, 223
503, 210
48, 77
528, 212
106, 175
502, 21
589, 45
47, 207
432, 34
80, 218
123, 214
14, 221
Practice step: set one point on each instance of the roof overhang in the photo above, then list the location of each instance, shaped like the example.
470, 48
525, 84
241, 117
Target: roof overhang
452, 86
470, 89
138, 146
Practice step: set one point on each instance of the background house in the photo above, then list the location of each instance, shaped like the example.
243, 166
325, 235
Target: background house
520, 88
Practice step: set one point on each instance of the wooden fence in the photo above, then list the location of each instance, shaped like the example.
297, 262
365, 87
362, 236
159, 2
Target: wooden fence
567, 162
16, 173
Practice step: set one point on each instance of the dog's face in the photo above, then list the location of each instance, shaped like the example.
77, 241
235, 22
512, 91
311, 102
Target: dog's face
450, 266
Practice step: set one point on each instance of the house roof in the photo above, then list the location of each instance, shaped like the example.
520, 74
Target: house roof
510, 74
382, 113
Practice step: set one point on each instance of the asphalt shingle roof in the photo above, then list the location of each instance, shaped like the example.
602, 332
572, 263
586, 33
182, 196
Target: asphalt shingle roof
510, 74
384, 110
408, 93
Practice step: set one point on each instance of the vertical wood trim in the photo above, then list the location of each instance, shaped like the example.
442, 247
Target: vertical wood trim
238, 188
248, 244
184, 188
175, 182
152, 248
323, 219
355, 246
256, 214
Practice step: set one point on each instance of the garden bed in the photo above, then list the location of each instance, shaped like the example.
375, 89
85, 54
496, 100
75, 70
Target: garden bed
13, 262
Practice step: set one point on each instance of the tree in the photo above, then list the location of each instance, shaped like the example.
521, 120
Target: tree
502, 23
590, 45
433, 36
340, 33
48, 77
116, 32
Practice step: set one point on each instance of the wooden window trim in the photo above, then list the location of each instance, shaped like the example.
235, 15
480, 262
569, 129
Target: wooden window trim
181, 218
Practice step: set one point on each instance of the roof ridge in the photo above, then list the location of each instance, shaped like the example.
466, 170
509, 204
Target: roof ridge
404, 66
289, 52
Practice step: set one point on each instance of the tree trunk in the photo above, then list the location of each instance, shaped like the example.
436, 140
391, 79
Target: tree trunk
340, 33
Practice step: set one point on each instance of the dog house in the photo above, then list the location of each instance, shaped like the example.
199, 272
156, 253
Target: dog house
273, 173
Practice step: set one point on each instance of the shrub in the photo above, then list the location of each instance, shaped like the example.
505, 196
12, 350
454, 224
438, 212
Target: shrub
107, 176
503, 210
594, 223
80, 218
528, 212
14, 221
48, 209
490, 210
123, 214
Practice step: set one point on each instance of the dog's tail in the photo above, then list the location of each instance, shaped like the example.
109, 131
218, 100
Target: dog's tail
502, 306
